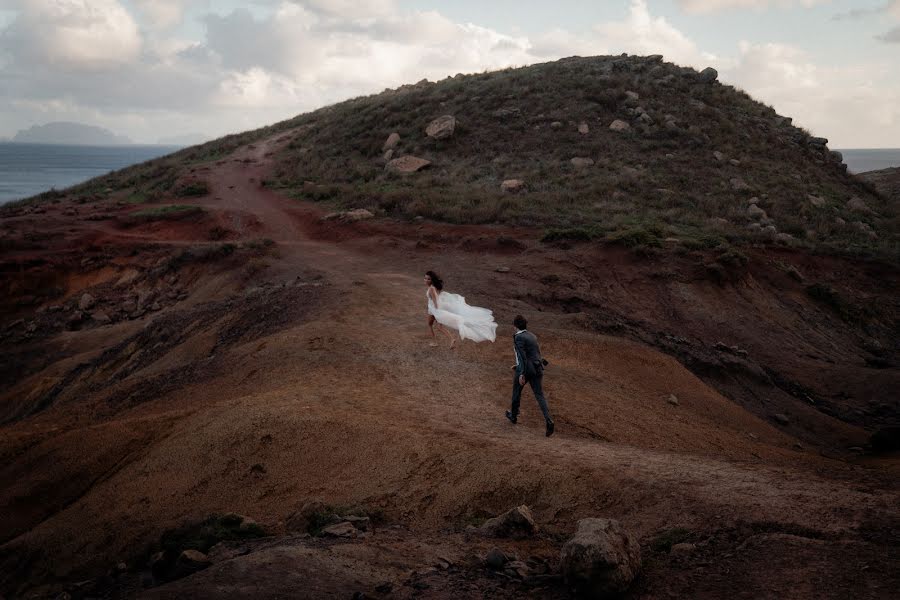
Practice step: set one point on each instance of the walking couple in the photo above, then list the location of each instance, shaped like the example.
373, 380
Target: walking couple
450, 312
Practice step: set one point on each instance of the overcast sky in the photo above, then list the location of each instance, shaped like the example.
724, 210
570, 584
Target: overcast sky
155, 68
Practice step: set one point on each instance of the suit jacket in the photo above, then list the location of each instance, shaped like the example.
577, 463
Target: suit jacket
529, 355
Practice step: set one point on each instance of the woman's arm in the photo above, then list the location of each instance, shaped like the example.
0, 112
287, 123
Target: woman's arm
434, 296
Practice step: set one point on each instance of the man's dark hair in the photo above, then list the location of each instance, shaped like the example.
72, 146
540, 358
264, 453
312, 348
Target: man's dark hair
520, 322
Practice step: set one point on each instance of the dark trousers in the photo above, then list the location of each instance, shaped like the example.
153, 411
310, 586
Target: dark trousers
536, 384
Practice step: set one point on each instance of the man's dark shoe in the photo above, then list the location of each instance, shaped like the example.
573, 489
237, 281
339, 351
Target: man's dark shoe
512, 418
550, 426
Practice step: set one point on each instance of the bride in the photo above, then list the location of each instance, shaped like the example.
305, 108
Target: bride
451, 311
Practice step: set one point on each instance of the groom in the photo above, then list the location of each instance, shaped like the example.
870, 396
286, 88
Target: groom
529, 369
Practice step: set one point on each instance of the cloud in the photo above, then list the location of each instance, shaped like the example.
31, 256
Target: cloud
711, 6
162, 14
857, 106
85, 35
892, 36
641, 33
278, 58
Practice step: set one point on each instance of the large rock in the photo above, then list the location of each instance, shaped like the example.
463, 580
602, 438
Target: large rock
756, 212
191, 561
406, 164
708, 75
602, 559
857, 203
583, 128
340, 530
391, 142
441, 128
517, 522
349, 216
512, 185
619, 125
86, 302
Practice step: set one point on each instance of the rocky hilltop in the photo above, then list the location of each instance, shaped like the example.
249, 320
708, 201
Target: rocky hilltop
217, 375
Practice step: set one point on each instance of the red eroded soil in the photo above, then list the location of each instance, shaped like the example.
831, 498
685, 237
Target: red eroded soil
258, 378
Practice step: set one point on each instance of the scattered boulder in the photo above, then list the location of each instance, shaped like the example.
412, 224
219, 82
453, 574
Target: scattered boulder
781, 419
406, 164
391, 142
349, 216
506, 113
719, 156
496, 559
756, 212
619, 125
441, 128
517, 522
734, 162
583, 128
865, 229
512, 185
708, 75
582, 161
816, 201
818, 141
739, 185
784, 238
632, 96
344, 529
303, 519
673, 400
556, 124
682, 548
360, 523
517, 569
719, 222
191, 561
602, 559
86, 302
389, 154
858, 204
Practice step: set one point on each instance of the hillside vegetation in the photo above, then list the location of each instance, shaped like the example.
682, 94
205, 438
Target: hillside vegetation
699, 161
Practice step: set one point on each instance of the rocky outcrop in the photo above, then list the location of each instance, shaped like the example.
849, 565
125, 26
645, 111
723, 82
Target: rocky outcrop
582, 161
512, 185
441, 128
517, 522
602, 559
406, 164
708, 75
391, 142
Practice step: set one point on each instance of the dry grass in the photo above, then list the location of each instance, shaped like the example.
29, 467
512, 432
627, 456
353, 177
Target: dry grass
523, 123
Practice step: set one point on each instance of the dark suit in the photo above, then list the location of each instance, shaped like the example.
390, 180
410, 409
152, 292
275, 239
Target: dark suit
529, 362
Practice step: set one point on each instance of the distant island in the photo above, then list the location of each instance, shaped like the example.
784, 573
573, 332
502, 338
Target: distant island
75, 134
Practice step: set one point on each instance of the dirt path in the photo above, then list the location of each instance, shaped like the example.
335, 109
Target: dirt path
353, 405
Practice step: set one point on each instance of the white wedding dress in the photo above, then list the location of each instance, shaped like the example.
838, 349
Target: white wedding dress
471, 322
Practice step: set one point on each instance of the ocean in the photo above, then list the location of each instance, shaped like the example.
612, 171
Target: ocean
859, 160
29, 169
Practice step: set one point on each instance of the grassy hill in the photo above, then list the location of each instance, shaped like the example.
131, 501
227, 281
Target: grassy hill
696, 158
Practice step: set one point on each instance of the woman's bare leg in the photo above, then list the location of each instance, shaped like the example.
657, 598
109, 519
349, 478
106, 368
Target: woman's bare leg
449, 335
431, 325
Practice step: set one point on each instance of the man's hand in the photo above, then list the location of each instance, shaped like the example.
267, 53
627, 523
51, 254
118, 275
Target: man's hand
521, 380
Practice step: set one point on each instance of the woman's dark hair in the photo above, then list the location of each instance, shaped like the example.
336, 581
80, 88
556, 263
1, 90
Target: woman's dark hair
436, 281
520, 322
